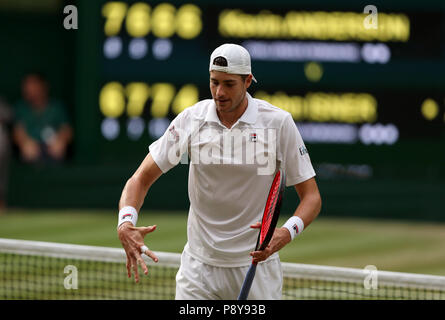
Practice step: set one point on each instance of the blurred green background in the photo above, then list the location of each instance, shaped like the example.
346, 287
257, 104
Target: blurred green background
404, 179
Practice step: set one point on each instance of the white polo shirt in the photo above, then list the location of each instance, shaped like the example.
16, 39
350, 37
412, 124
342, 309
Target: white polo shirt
230, 174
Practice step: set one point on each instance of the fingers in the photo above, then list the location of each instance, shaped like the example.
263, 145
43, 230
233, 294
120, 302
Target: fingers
143, 231
132, 243
258, 256
279, 239
151, 254
256, 225
128, 266
135, 260
146, 230
135, 271
132, 266
141, 262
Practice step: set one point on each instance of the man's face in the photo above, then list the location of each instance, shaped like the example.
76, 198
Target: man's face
35, 91
228, 90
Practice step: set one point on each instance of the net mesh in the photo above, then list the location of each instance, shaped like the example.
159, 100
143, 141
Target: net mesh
41, 271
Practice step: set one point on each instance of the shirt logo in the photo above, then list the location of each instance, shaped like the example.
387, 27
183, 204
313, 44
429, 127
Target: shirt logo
303, 150
253, 137
174, 133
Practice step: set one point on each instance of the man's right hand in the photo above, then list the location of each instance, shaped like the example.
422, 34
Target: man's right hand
132, 239
30, 150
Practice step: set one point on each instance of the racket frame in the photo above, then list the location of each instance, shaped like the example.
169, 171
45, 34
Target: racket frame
248, 280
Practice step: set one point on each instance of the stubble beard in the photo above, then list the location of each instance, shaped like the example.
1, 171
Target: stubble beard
234, 107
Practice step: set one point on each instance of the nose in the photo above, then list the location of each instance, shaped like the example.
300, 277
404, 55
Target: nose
219, 92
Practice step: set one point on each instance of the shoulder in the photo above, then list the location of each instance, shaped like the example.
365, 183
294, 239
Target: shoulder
271, 113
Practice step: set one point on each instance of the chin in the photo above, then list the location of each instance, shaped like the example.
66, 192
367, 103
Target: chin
224, 107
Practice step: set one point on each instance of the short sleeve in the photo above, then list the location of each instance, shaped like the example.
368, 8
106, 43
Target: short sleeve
167, 151
294, 154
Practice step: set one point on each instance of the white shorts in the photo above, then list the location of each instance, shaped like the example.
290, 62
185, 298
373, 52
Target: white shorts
199, 281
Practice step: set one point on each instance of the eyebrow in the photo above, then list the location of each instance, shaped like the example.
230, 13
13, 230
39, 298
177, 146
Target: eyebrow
225, 81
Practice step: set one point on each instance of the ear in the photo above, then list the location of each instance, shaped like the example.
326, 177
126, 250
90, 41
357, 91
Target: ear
248, 81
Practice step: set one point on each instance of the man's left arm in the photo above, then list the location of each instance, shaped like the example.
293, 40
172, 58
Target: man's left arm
307, 211
65, 133
58, 145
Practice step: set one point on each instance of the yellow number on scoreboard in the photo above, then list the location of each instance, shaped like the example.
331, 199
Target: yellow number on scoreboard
164, 20
188, 21
186, 97
137, 93
112, 100
138, 20
162, 96
114, 12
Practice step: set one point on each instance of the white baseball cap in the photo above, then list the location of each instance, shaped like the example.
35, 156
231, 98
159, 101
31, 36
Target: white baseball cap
236, 60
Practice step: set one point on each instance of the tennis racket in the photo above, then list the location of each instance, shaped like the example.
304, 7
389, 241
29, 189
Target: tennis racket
269, 221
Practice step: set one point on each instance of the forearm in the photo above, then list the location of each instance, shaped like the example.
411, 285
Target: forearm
309, 208
137, 186
20, 137
133, 194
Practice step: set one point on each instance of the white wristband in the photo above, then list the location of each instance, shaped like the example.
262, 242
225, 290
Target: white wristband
295, 226
127, 214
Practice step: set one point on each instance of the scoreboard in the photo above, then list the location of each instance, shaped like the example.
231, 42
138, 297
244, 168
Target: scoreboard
365, 88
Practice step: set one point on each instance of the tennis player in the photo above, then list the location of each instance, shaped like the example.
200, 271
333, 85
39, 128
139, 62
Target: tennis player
235, 144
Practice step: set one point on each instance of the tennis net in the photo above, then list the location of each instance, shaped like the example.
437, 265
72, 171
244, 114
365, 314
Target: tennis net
52, 271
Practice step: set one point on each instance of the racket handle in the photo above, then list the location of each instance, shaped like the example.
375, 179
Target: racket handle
247, 282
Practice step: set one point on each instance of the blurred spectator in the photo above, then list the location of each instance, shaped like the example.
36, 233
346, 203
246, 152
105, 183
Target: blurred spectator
5, 118
41, 129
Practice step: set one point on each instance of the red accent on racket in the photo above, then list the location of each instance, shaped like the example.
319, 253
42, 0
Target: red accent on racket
268, 224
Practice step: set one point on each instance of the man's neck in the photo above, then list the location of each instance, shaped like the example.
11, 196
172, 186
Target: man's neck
40, 105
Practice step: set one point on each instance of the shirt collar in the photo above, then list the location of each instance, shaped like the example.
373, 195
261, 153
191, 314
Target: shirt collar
249, 115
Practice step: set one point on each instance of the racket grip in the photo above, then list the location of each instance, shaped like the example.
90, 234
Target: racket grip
247, 282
